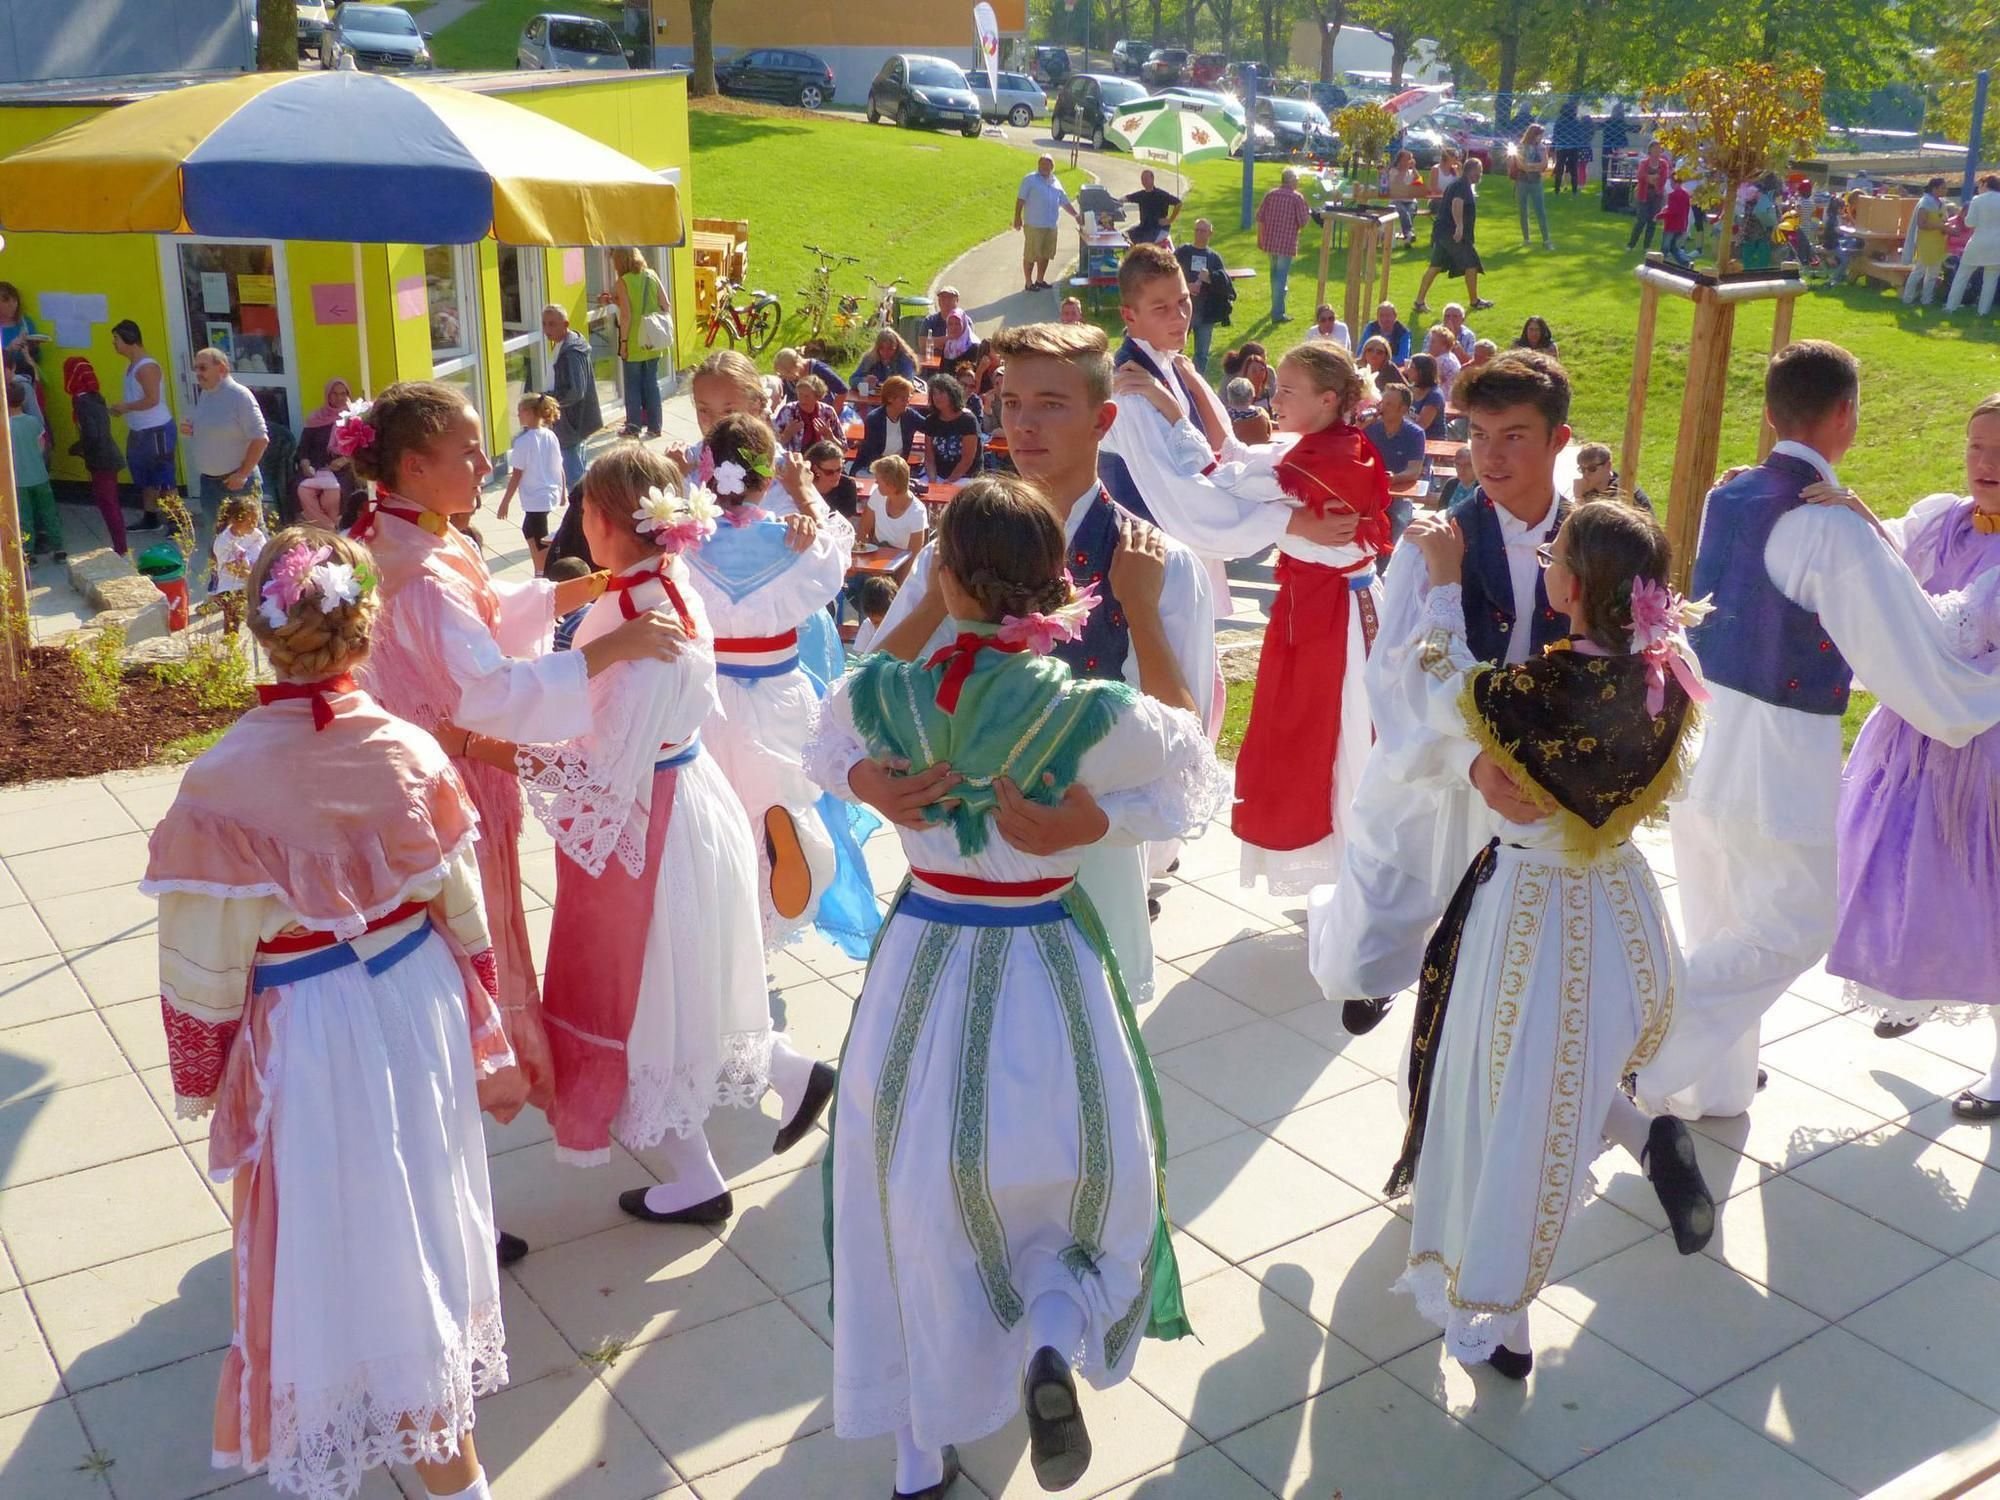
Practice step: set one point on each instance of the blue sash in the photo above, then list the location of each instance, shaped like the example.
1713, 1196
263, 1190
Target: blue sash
339, 956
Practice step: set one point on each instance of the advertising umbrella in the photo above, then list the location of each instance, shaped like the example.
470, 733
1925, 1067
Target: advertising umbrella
342, 156
1158, 130
1413, 104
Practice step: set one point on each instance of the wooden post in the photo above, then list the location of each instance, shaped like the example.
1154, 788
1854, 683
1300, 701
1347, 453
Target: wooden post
1781, 335
1700, 427
1359, 274
1642, 373
14, 567
1385, 248
1325, 252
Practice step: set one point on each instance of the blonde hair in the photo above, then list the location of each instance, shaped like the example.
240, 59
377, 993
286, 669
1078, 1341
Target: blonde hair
727, 364
546, 407
785, 361
1330, 368
891, 470
234, 508
626, 259
618, 478
1987, 408
314, 642
812, 383
1081, 344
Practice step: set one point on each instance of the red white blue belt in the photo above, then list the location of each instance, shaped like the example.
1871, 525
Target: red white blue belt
963, 901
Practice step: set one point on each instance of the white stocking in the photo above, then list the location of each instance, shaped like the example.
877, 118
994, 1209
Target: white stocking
1989, 1086
1514, 1333
1055, 1321
1625, 1124
791, 1071
916, 1468
477, 1490
696, 1176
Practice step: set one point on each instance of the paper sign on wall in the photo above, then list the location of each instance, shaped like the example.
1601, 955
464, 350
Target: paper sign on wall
215, 292
411, 300
259, 289
71, 314
572, 265
258, 319
333, 303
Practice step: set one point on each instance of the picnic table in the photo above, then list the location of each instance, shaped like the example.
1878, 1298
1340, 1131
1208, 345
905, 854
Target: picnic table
1412, 489
1445, 448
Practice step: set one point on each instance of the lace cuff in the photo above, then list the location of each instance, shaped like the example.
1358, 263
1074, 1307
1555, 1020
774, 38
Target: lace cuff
1971, 620
197, 1052
1193, 787
832, 751
589, 820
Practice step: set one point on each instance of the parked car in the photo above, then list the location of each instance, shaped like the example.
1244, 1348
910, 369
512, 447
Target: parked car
1129, 56
1473, 134
1227, 105
312, 23
1426, 143
777, 73
1049, 66
1019, 100
1330, 97
554, 40
1164, 67
1206, 71
1085, 104
921, 92
1298, 127
380, 38
1233, 77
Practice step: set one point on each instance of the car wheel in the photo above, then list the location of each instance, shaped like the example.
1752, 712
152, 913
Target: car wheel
1097, 138
873, 117
1020, 115
905, 117
811, 96
971, 129
1055, 127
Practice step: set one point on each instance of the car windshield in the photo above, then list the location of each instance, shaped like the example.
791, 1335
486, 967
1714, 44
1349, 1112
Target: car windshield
583, 36
931, 74
1293, 111
378, 19
1120, 90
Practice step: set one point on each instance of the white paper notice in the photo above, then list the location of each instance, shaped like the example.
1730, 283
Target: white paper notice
215, 292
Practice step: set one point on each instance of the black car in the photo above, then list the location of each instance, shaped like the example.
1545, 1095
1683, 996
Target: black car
1085, 104
1129, 56
1330, 97
1049, 66
1238, 82
1164, 67
776, 73
924, 92
1298, 128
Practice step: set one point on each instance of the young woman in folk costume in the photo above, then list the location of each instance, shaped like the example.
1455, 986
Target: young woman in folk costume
756, 588
655, 997
727, 385
995, 1065
454, 643
329, 991
1554, 971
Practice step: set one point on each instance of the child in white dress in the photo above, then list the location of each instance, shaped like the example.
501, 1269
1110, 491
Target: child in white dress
239, 542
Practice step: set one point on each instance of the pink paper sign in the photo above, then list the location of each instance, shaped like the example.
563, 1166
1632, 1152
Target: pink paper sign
333, 302
411, 302
572, 265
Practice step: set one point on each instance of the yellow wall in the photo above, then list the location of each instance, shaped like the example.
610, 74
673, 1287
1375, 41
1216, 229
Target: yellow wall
837, 23
645, 116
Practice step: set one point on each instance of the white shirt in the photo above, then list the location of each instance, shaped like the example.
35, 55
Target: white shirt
1982, 217
159, 414
896, 531
1042, 199
1339, 336
1449, 364
536, 456
1521, 538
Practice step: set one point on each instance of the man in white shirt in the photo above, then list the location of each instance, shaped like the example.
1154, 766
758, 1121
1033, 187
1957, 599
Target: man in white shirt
1328, 328
1807, 598
1038, 210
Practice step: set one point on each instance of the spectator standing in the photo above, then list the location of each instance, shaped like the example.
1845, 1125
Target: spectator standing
573, 382
1328, 329
1454, 240
1389, 328
1760, 224
637, 294
94, 444
149, 424
1208, 283
951, 434
1158, 209
41, 524
1925, 244
1649, 194
1529, 166
21, 342
1572, 144
1280, 217
1674, 219
1038, 210
535, 473
1617, 135
1982, 251
226, 436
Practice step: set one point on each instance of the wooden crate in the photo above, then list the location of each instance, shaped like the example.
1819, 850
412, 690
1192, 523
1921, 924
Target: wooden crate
723, 245
1874, 215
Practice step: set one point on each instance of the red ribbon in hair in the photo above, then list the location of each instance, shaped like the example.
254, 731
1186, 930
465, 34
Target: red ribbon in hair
624, 583
958, 659
319, 692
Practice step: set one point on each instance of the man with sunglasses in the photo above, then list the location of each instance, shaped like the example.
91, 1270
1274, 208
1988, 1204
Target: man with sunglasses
1597, 480
826, 462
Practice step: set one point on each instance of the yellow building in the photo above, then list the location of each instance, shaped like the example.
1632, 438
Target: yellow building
284, 309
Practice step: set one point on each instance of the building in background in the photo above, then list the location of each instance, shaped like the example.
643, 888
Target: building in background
1359, 50
42, 40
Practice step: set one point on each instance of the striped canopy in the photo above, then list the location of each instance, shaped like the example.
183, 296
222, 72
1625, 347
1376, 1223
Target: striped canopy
1161, 130
343, 156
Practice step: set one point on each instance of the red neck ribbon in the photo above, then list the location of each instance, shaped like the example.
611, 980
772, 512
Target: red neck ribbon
319, 692
957, 660
624, 583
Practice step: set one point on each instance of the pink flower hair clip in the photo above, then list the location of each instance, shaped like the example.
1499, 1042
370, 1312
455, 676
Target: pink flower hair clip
675, 524
352, 430
1042, 633
1661, 619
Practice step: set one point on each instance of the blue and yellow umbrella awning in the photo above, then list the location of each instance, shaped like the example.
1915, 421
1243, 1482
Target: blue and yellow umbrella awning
341, 156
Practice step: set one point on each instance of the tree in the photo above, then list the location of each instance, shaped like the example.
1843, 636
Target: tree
701, 28
1331, 15
277, 36
1964, 47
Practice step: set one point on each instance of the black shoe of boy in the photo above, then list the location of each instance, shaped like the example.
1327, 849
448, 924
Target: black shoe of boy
935, 1491
1512, 1365
1890, 1030
1359, 1017
148, 521
510, 1247
1058, 1444
1676, 1177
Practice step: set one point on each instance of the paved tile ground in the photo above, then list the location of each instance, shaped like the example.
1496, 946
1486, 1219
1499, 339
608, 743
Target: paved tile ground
1836, 1332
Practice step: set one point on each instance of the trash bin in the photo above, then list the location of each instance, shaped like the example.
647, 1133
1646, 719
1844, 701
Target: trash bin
163, 564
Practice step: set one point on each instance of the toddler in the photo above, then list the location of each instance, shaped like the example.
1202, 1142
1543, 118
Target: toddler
239, 542
31, 476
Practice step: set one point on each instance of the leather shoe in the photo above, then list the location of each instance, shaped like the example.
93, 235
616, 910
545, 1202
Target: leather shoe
1676, 1175
935, 1491
509, 1247
819, 1089
1969, 1106
1510, 1363
1890, 1030
1359, 1017
711, 1211
1058, 1443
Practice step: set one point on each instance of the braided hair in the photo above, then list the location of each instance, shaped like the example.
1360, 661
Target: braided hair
1004, 544
313, 642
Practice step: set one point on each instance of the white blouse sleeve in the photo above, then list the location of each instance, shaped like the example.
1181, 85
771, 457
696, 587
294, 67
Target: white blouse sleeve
547, 698
1190, 508
527, 616
834, 748
1445, 658
1157, 765
1412, 747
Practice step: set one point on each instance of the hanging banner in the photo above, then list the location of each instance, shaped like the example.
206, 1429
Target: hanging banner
987, 25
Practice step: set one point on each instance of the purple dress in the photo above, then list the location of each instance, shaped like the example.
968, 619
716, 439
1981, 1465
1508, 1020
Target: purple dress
1919, 828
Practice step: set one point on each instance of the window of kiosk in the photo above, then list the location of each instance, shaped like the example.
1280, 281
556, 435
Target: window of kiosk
521, 341
231, 300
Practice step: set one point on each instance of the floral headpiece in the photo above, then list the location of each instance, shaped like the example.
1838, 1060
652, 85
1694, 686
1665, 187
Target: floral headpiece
1042, 633
1661, 619
733, 478
676, 524
301, 571
352, 430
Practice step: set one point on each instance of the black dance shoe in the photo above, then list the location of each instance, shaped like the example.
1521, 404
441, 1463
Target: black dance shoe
509, 1247
935, 1491
1676, 1176
1359, 1017
1510, 1364
1969, 1106
714, 1210
1058, 1444
819, 1089
1890, 1030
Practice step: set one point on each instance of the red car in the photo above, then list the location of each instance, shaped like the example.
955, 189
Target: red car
1208, 68
1473, 135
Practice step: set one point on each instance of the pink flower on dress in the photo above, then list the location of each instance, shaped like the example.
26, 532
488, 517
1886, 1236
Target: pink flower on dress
1042, 633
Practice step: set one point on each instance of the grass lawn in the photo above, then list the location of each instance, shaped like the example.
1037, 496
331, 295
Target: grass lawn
907, 203
484, 38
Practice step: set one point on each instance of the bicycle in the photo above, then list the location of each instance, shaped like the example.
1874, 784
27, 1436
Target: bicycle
817, 299
888, 303
755, 323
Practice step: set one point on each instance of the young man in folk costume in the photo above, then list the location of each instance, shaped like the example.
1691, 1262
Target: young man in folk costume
1055, 410
1807, 597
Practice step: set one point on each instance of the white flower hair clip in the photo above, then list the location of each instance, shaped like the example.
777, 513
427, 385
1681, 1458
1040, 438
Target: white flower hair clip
673, 523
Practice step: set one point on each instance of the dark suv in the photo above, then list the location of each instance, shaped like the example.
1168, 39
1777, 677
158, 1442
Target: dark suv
1164, 67
776, 73
1129, 56
1087, 101
920, 91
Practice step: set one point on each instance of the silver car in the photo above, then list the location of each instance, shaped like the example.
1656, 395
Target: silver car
1019, 101
555, 40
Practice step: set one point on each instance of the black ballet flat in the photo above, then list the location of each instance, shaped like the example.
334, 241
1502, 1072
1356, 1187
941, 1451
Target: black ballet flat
1890, 1030
1763, 1080
509, 1247
1508, 1363
819, 1089
1969, 1106
935, 1491
1058, 1443
714, 1210
1152, 908
1359, 1017
1676, 1177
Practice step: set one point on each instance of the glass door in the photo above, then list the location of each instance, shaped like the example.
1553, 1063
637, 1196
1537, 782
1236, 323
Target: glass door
451, 287
598, 279
232, 295
522, 345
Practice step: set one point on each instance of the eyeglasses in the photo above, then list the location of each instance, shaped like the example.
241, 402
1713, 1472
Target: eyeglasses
1546, 554
827, 471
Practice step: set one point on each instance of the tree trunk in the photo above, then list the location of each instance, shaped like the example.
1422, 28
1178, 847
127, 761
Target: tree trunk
1156, 23
277, 36
1331, 17
701, 19
1727, 226
1399, 57
1510, 62
1270, 20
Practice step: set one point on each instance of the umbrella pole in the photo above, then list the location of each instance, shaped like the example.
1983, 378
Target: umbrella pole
361, 325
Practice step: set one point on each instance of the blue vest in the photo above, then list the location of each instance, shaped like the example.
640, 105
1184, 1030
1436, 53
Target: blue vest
1489, 584
1112, 471
1758, 641
1106, 635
